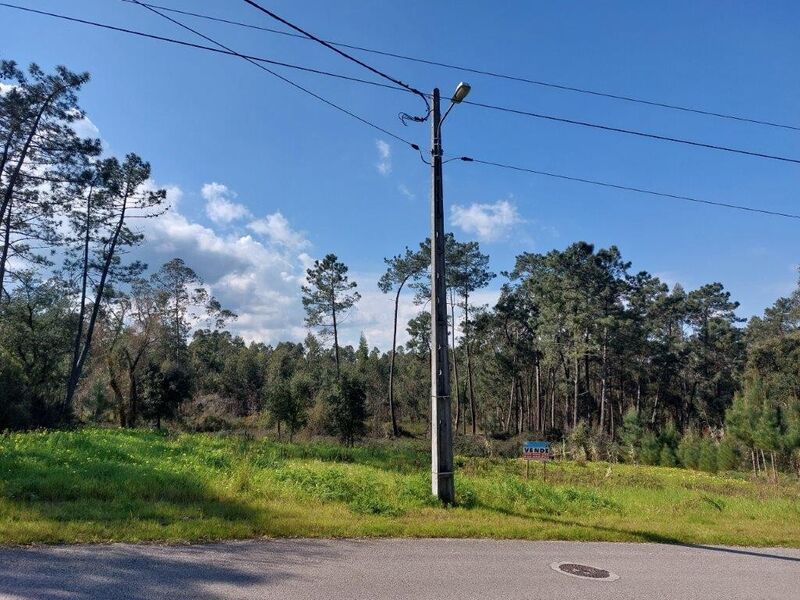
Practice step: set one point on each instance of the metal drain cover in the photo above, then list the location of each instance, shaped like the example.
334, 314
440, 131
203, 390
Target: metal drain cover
584, 571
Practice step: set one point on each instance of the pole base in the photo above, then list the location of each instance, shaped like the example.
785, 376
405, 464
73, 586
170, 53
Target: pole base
443, 487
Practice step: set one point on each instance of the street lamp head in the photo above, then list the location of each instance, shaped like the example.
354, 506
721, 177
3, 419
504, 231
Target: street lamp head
461, 92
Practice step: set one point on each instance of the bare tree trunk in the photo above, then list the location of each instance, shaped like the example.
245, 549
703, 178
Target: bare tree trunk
510, 403
638, 393
133, 387
77, 366
655, 409
391, 364
335, 338
603, 381
455, 358
529, 408
538, 396
76, 351
112, 379
611, 412
469, 367
15, 175
6, 244
576, 379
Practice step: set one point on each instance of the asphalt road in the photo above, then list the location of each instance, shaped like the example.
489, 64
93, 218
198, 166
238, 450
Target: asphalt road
384, 569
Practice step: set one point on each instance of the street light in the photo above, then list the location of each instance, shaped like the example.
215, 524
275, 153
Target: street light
442, 483
462, 90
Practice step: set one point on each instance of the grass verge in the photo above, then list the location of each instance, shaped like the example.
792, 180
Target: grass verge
99, 485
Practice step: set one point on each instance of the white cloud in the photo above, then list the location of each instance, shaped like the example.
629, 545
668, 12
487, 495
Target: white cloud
220, 207
403, 189
490, 222
277, 229
84, 128
384, 164
259, 279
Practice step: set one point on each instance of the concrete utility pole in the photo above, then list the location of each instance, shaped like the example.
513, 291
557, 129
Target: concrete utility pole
441, 430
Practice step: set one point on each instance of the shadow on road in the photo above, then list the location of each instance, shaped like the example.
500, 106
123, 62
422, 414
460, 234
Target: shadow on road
141, 572
644, 536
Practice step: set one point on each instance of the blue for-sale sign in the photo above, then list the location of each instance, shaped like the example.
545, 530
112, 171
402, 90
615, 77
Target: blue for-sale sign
536, 450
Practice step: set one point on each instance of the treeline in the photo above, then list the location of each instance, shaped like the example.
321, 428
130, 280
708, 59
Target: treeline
579, 348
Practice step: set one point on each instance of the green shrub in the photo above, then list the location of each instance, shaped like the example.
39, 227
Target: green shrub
727, 455
708, 456
347, 408
689, 450
667, 458
467, 445
578, 442
650, 453
631, 435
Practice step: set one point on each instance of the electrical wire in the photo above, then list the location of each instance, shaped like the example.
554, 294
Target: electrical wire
629, 188
414, 146
256, 59
192, 45
228, 51
330, 46
487, 73
654, 136
281, 77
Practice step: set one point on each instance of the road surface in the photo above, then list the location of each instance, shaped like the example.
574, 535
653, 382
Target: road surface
393, 569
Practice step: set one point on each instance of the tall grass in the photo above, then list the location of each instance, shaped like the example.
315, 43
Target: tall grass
103, 485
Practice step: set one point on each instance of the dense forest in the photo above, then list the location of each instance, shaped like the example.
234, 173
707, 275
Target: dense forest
580, 346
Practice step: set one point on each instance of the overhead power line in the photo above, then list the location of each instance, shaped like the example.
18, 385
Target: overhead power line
330, 46
251, 58
517, 168
161, 38
488, 73
654, 136
281, 77
628, 188
230, 52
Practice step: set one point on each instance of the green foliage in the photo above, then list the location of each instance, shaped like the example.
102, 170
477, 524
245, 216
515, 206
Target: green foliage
651, 449
707, 460
287, 402
667, 457
347, 408
689, 450
631, 434
165, 387
770, 428
578, 442
13, 400
727, 455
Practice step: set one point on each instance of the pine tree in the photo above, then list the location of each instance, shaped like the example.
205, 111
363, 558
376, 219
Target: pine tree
329, 293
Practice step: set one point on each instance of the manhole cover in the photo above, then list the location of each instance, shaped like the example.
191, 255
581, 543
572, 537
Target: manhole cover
584, 571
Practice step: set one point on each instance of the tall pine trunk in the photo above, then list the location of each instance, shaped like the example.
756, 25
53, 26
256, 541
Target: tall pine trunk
391, 364
603, 380
12, 181
575, 383
455, 358
77, 366
335, 338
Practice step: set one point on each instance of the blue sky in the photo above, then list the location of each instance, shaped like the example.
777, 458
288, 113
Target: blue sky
264, 178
